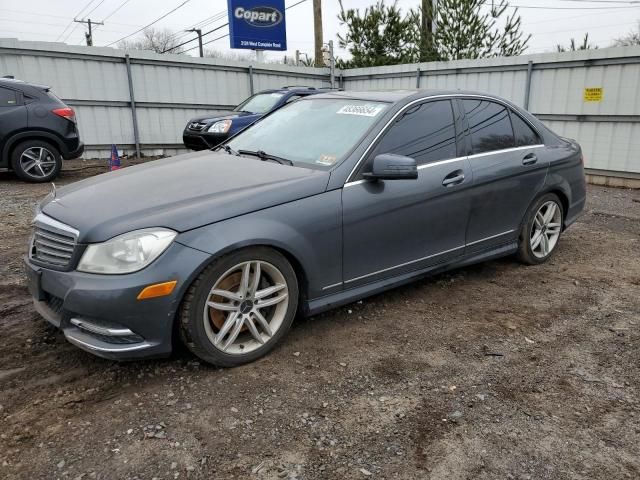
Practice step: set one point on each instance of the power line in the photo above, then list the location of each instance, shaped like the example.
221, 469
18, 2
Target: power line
207, 21
113, 12
193, 39
571, 8
149, 24
93, 9
604, 1
71, 22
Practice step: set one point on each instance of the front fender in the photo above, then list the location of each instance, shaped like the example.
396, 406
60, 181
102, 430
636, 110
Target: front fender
309, 230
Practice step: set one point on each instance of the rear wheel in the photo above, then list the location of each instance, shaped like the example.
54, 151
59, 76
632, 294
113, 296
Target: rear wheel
36, 161
541, 230
240, 307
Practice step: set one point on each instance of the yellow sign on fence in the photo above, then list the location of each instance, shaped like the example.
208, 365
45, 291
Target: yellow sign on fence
593, 94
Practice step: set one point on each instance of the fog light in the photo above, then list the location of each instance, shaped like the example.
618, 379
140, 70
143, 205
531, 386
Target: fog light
157, 290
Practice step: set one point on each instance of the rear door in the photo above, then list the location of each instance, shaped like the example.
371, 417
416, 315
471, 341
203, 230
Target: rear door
392, 227
13, 115
509, 170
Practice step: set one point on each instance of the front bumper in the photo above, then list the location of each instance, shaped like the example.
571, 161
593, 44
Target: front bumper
101, 313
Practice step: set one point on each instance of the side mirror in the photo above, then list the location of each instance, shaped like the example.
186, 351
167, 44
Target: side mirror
388, 166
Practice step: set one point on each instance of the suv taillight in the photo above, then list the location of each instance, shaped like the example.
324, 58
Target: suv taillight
65, 112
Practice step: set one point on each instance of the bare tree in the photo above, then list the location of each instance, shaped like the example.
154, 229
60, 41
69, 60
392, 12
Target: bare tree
159, 41
631, 38
237, 56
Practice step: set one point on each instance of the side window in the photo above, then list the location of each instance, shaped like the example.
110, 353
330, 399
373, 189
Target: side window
8, 98
489, 125
425, 132
523, 132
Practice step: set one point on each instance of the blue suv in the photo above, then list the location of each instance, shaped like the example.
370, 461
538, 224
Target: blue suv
211, 130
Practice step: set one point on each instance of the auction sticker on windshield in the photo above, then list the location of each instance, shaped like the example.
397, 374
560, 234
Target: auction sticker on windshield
366, 110
327, 160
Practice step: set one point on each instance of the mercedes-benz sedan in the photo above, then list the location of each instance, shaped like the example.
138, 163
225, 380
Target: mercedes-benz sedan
328, 200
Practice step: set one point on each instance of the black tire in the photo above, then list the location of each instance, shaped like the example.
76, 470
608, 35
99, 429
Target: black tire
525, 252
192, 328
35, 175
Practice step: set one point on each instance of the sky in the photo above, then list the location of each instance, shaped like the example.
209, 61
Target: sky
548, 21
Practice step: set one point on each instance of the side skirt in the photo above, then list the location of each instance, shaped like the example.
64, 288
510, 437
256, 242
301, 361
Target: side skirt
328, 302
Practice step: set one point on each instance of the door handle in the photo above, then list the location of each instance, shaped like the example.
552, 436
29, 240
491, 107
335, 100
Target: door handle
454, 178
529, 159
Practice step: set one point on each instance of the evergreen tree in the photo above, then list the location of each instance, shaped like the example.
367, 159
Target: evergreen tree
382, 35
585, 45
463, 30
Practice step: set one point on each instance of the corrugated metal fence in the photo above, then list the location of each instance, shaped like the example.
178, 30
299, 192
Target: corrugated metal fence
104, 84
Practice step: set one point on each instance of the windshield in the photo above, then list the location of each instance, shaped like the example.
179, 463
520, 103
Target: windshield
259, 103
315, 131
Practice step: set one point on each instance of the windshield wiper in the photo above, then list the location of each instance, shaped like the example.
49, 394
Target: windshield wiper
227, 149
262, 155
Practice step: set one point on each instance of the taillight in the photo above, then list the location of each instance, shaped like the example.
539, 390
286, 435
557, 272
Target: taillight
65, 112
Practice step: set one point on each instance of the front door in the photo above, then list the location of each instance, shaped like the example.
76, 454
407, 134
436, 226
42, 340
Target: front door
392, 227
509, 165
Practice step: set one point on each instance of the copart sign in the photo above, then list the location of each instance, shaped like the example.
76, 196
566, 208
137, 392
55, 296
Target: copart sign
257, 24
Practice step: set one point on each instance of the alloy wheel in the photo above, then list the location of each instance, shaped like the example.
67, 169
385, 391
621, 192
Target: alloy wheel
547, 225
37, 162
246, 307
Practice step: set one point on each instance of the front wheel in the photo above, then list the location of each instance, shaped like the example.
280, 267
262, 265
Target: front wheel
240, 307
541, 230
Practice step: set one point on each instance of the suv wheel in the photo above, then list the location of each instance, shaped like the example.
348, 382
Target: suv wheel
541, 230
36, 161
240, 307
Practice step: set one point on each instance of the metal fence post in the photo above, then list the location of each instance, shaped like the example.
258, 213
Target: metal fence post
136, 133
418, 77
527, 87
251, 79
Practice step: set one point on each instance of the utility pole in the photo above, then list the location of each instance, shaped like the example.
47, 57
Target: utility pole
88, 35
426, 31
317, 32
199, 33
332, 66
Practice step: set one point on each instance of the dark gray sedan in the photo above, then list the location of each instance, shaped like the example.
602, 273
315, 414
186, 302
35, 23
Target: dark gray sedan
328, 200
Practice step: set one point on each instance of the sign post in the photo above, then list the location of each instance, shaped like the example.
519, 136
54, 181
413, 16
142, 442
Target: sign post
257, 25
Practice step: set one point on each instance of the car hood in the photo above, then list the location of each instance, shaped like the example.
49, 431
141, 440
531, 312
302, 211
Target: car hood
219, 115
181, 193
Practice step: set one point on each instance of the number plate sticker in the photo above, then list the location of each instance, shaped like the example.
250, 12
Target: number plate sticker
366, 110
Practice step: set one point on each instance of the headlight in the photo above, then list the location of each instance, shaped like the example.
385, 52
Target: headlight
126, 253
220, 127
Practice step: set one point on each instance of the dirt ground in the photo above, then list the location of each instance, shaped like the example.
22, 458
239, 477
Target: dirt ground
496, 371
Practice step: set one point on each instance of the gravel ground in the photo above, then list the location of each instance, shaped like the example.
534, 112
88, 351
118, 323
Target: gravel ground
496, 371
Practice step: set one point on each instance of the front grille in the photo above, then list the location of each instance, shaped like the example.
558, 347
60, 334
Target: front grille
53, 243
197, 126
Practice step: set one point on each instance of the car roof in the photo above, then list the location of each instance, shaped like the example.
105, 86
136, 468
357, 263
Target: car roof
293, 88
395, 96
15, 83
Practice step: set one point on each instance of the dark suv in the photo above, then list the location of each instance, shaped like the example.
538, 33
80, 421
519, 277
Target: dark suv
212, 129
37, 130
